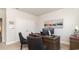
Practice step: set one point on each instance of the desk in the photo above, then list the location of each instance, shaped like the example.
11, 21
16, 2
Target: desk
51, 42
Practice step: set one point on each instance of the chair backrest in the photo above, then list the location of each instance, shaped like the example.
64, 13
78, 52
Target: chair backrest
45, 31
35, 43
21, 37
51, 30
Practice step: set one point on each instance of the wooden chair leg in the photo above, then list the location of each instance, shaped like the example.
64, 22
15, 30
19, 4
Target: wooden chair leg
21, 47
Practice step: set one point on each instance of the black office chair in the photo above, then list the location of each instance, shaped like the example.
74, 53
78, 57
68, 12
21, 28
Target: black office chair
45, 31
22, 40
35, 43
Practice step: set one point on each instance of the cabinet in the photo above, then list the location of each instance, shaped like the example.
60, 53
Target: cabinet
74, 42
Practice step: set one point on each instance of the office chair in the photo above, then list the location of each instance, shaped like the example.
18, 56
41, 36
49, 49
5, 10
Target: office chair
22, 40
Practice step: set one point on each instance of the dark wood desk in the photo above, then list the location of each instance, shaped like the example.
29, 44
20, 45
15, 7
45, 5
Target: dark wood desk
51, 42
74, 42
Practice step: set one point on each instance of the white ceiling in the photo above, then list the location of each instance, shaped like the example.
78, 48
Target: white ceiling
38, 11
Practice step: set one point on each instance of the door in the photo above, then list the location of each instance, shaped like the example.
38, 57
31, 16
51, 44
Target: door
0, 30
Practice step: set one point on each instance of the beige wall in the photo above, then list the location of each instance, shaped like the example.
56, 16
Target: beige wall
70, 20
26, 23
23, 22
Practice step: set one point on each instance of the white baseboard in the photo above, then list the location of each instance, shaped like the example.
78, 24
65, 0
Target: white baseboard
11, 42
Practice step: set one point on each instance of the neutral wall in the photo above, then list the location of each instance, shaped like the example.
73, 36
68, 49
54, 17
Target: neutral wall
70, 20
26, 23
23, 22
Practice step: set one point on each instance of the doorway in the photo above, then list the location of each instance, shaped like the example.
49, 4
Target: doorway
0, 30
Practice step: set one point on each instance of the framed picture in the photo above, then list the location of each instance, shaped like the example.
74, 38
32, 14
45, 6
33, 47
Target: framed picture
54, 23
11, 24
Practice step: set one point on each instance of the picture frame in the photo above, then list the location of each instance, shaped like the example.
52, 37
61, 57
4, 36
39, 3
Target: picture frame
58, 23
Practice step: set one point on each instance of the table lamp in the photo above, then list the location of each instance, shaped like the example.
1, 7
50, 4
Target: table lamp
76, 30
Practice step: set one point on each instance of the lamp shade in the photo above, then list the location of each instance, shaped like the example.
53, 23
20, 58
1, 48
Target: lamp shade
77, 28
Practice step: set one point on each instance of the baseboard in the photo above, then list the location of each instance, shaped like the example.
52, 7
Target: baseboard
11, 42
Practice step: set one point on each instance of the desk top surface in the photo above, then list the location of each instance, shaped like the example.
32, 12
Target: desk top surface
46, 36
74, 37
